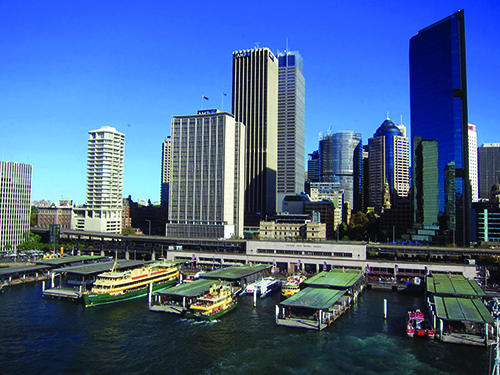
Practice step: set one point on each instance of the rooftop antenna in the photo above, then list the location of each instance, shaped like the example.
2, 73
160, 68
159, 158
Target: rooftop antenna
388, 115
286, 46
401, 120
256, 45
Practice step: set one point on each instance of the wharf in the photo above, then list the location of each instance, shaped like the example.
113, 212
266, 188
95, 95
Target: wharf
457, 310
464, 338
328, 304
80, 277
177, 299
22, 274
326, 297
69, 293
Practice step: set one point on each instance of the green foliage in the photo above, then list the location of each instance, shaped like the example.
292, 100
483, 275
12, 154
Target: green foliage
362, 226
128, 230
31, 242
34, 216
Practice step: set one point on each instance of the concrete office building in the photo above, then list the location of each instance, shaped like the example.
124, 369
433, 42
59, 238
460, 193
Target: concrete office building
291, 125
105, 159
207, 176
15, 203
438, 98
255, 104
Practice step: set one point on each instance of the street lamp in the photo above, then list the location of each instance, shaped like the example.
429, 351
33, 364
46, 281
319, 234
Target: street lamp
149, 226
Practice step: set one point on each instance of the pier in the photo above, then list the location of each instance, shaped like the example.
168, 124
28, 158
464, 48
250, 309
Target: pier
458, 311
80, 277
325, 298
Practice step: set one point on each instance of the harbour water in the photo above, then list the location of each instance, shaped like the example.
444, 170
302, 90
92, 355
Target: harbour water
42, 336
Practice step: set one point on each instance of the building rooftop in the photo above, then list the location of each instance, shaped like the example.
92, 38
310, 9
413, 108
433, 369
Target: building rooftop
314, 298
336, 279
235, 272
462, 309
188, 290
453, 285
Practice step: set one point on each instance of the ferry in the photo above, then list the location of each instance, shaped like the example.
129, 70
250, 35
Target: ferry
217, 302
264, 286
417, 323
116, 286
292, 285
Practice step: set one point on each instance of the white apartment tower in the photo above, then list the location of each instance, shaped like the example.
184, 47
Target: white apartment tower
473, 176
255, 104
103, 209
291, 125
15, 203
207, 176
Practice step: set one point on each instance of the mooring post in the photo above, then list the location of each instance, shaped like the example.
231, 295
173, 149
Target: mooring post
385, 308
150, 293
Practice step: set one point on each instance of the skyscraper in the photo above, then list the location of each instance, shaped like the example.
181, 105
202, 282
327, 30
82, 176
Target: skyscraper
291, 125
313, 167
206, 181
389, 160
15, 202
165, 170
438, 93
341, 157
488, 160
255, 104
472, 134
103, 209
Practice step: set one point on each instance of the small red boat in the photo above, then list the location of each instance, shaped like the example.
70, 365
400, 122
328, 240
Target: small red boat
418, 324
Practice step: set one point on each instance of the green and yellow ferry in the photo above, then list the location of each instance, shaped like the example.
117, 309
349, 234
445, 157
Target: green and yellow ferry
210, 306
116, 286
292, 285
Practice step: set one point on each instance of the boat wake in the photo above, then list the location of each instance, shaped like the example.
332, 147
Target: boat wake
194, 322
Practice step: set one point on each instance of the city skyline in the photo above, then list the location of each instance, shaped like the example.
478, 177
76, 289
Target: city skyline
73, 67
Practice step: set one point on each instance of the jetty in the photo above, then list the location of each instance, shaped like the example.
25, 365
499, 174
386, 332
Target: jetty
458, 310
177, 299
23, 274
238, 276
79, 278
325, 297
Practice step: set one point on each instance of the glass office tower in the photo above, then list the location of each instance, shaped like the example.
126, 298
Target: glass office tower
341, 161
255, 104
438, 92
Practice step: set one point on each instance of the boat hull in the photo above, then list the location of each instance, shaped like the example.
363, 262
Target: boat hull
93, 299
190, 315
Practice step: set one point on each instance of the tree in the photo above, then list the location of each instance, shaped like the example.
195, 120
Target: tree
31, 242
7, 247
362, 226
34, 216
128, 230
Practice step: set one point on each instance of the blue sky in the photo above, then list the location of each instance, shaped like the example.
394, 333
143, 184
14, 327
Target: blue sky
68, 67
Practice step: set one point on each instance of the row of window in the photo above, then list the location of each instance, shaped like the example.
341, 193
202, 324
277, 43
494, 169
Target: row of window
307, 252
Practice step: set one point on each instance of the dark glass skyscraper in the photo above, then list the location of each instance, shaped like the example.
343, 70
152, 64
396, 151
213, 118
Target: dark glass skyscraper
438, 92
341, 157
255, 104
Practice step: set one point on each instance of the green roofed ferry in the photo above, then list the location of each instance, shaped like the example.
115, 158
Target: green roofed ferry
116, 285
